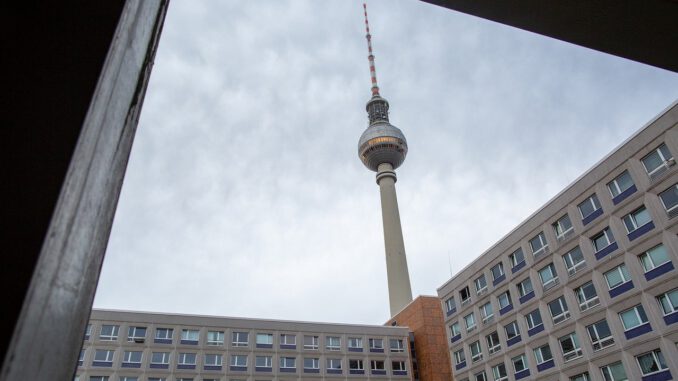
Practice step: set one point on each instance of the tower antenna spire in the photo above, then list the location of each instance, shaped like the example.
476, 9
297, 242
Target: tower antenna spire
370, 57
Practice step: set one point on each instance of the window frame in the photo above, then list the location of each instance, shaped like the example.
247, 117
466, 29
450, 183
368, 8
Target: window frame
575, 267
565, 314
623, 273
220, 337
609, 376
513, 257
576, 351
522, 288
544, 244
599, 343
114, 334
637, 314
529, 319
616, 182
657, 358
539, 354
609, 237
547, 285
559, 227
459, 356
235, 357
523, 359
285, 362
593, 201
475, 346
496, 372
515, 326
492, 346
399, 347
470, 328
477, 284
666, 296
486, 318
507, 298
580, 293
169, 333
500, 268
330, 346
673, 210
632, 219
665, 161
646, 254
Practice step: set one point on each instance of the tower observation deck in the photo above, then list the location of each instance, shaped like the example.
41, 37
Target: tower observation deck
382, 148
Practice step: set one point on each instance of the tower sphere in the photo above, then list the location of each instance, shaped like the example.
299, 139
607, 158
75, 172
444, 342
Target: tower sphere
381, 142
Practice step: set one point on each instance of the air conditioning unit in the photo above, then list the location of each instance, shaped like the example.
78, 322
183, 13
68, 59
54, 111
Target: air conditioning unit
139, 340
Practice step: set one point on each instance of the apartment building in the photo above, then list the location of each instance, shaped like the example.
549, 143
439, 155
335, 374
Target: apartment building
137, 346
586, 288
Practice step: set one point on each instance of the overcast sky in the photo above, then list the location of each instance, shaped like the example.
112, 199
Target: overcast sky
244, 194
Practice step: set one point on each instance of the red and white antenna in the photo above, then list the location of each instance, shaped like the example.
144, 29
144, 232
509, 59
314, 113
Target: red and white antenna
370, 57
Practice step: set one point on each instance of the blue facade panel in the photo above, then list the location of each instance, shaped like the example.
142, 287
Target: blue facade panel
659, 271
545, 365
623, 195
592, 216
622, 288
606, 250
637, 331
640, 231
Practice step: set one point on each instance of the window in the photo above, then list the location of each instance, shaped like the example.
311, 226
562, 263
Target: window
132, 357
128, 378
602, 240
636, 219
104, 355
186, 359
333, 343
311, 363
465, 295
589, 206
486, 312
449, 304
525, 287
481, 284
657, 161
190, 335
287, 339
240, 339
538, 244
669, 199
574, 260
136, 334
493, 343
459, 357
533, 319
157, 379
311, 342
504, 299
88, 331
543, 354
470, 321
334, 364
263, 361
212, 359
569, 344
517, 257
476, 351
497, 271
600, 335
512, 330
617, 276
109, 332
160, 358
614, 372
455, 329
82, 356
651, 362
288, 362
559, 310
668, 301
379, 343
239, 360
620, 184
215, 337
499, 372
355, 342
581, 377
519, 363
549, 276
654, 257
633, 317
164, 333
377, 365
587, 296
355, 364
481, 376
396, 345
398, 365
96, 378
563, 227
265, 338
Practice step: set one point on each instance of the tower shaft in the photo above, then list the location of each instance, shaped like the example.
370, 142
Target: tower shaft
399, 289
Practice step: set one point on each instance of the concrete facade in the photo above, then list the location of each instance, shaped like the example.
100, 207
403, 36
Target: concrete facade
426, 322
154, 347
597, 263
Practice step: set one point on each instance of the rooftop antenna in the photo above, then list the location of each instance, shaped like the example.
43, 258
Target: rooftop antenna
370, 57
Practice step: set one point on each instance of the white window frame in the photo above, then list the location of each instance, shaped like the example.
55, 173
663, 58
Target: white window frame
218, 359
478, 349
377, 365
530, 320
667, 162
398, 347
517, 329
480, 289
544, 245
109, 355
332, 363
466, 300
671, 211
593, 200
132, 333
492, 346
267, 361
455, 326
499, 266
655, 357
315, 362
288, 339
484, 313
127, 357
609, 237
261, 336
623, 273
169, 333
220, 335
471, 327
480, 376
522, 290
373, 341
575, 266
507, 297
459, 356
607, 368
523, 359
333, 343
235, 360
358, 363
115, 331
647, 255
613, 186
666, 296
637, 314
449, 304
539, 354
285, 362
355, 342
584, 303
184, 358
563, 316
236, 337
190, 334
632, 218
554, 277
513, 257
599, 343
574, 353
315, 342
560, 230
496, 372
581, 377
165, 358
401, 366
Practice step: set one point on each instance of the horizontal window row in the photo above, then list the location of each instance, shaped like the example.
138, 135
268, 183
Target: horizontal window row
110, 332
650, 363
634, 322
150, 378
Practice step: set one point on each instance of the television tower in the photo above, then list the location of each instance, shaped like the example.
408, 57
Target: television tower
382, 148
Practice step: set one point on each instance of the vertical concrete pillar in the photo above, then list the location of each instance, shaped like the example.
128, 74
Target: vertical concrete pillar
399, 289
